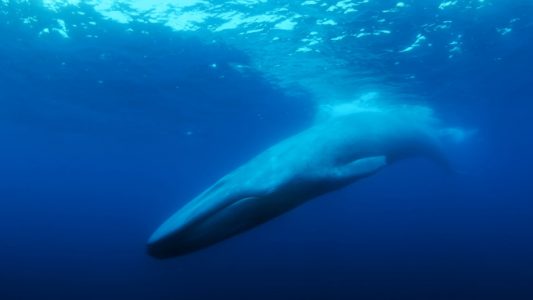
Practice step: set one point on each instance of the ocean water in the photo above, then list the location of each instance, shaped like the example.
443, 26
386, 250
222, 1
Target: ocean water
113, 114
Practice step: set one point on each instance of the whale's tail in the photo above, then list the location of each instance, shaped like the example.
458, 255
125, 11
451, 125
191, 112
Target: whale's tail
456, 135
448, 139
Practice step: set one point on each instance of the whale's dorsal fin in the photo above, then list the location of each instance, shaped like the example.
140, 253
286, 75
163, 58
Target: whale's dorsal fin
361, 167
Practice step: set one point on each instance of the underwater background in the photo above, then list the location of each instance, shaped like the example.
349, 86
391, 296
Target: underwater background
113, 114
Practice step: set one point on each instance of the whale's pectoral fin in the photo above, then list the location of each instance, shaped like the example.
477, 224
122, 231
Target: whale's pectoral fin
361, 167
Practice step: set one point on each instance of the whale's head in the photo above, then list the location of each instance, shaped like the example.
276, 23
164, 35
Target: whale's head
193, 228
222, 211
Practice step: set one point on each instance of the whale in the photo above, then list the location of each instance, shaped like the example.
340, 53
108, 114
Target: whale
327, 156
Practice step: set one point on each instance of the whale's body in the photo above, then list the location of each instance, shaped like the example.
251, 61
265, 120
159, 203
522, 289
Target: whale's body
323, 158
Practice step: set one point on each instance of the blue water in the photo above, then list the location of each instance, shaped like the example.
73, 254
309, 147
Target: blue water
103, 138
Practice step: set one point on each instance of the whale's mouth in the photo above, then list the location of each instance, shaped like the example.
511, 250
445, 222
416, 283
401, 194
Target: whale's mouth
205, 227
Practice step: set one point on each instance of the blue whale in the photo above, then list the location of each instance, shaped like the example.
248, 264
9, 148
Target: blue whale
329, 155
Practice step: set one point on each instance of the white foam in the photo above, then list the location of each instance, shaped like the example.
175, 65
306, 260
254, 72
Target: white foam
447, 4
187, 21
288, 24
117, 16
326, 22
420, 38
